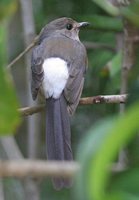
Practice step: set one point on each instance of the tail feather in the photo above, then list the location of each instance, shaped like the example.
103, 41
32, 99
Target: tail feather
65, 120
58, 135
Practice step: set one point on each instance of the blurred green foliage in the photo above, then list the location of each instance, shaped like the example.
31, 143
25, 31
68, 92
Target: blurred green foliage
107, 6
7, 7
9, 117
129, 11
97, 153
132, 12
106, 23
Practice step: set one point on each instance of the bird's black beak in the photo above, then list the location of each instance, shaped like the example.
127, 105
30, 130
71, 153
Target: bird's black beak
82, 24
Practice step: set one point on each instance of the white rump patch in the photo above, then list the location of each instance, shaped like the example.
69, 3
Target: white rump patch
55, 77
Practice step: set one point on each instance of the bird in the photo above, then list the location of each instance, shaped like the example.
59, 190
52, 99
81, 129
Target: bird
58, 67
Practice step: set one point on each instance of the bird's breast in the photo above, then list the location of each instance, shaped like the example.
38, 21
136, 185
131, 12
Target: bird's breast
55, 77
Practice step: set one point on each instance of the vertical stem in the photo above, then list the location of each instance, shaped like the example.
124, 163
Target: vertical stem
128, 57
29, 32
129, 52
33, 130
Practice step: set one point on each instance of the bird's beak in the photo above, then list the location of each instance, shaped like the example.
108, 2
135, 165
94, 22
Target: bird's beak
82, 24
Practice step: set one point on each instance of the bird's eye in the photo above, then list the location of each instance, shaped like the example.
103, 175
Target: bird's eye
69, 26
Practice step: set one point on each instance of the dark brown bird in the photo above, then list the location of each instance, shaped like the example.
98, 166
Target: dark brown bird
58, 65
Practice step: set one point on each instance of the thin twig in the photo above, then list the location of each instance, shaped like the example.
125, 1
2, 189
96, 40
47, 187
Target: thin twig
33, 43
83, 101
103, 99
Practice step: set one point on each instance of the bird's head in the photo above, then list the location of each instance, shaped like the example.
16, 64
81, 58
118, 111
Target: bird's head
64, 26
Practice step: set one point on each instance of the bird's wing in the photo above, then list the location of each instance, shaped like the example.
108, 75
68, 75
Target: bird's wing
77, 70
36, 70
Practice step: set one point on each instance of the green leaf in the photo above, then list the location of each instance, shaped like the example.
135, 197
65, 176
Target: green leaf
103, 22
123, 130
98, 151
7, 7
86, 154
127, 181
115, 64
9, 117
120, 196
108, 7
131, 12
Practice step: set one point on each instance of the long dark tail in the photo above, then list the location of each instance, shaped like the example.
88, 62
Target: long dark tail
58, 135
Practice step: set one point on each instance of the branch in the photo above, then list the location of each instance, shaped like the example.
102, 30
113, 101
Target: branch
103, 99
32, 168
31, 110
83, 101
40, 168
